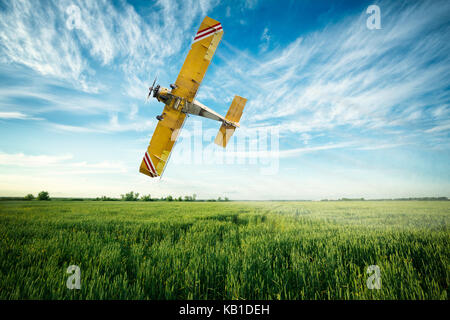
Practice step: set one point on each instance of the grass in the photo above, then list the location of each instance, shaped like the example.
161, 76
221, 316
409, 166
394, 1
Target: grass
228, 250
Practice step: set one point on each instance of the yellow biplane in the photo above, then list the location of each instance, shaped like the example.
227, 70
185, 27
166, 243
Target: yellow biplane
180, 101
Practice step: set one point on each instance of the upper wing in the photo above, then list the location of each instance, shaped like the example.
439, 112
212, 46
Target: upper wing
191, 75
162, 142
198, 59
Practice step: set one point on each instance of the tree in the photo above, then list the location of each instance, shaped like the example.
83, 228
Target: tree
131, 196
180, 198
146, 198
29, 197
194, 196
43, 195
226, 199
169, 198
219, 199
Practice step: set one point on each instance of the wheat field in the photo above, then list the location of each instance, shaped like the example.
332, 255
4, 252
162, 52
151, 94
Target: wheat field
224, 250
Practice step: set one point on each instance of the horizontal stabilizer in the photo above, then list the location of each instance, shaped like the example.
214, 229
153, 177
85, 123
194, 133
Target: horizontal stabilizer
224, 135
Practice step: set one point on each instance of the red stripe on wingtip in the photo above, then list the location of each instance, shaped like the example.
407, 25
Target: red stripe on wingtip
145, 161
150, 163
207, 34
148, 168
208, 28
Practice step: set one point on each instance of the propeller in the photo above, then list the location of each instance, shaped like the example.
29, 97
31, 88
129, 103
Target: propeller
150, 90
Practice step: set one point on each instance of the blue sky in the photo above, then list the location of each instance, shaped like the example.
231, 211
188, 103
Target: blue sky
349, 112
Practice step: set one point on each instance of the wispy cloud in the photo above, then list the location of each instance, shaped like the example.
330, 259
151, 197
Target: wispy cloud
285, 153
250, 4
74, 129
59, 164
115, 36
265, 40
48, 101
443, 127
341, 91
114, 125
348, 76
17, 115
381, 146
20, 159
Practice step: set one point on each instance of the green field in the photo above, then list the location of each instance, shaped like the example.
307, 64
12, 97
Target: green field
224, 250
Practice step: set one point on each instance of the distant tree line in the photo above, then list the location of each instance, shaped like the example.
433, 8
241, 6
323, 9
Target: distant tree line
42, 196
396, 199
134, 196
423, 199
130, 196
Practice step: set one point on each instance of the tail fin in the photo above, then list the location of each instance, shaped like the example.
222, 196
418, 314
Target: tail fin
233, 115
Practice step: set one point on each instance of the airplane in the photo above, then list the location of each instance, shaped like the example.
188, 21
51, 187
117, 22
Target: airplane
180, 101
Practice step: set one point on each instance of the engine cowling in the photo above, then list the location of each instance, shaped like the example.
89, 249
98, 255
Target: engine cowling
162, 94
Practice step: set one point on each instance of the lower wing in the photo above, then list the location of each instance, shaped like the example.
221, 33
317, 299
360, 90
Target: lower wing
162, 142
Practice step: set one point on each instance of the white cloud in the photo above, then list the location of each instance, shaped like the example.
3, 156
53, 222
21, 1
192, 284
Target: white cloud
75, 129
443, 127
16, 115
134, 109
112, 126
378, 146
297, 151
20, 159
265, 40
29, 36
138, 125
347, 75
12, 115
341, 76
58, 164
36, 35
250, 4
86, 104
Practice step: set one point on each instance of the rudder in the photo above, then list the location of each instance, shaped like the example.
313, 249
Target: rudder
234, 114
